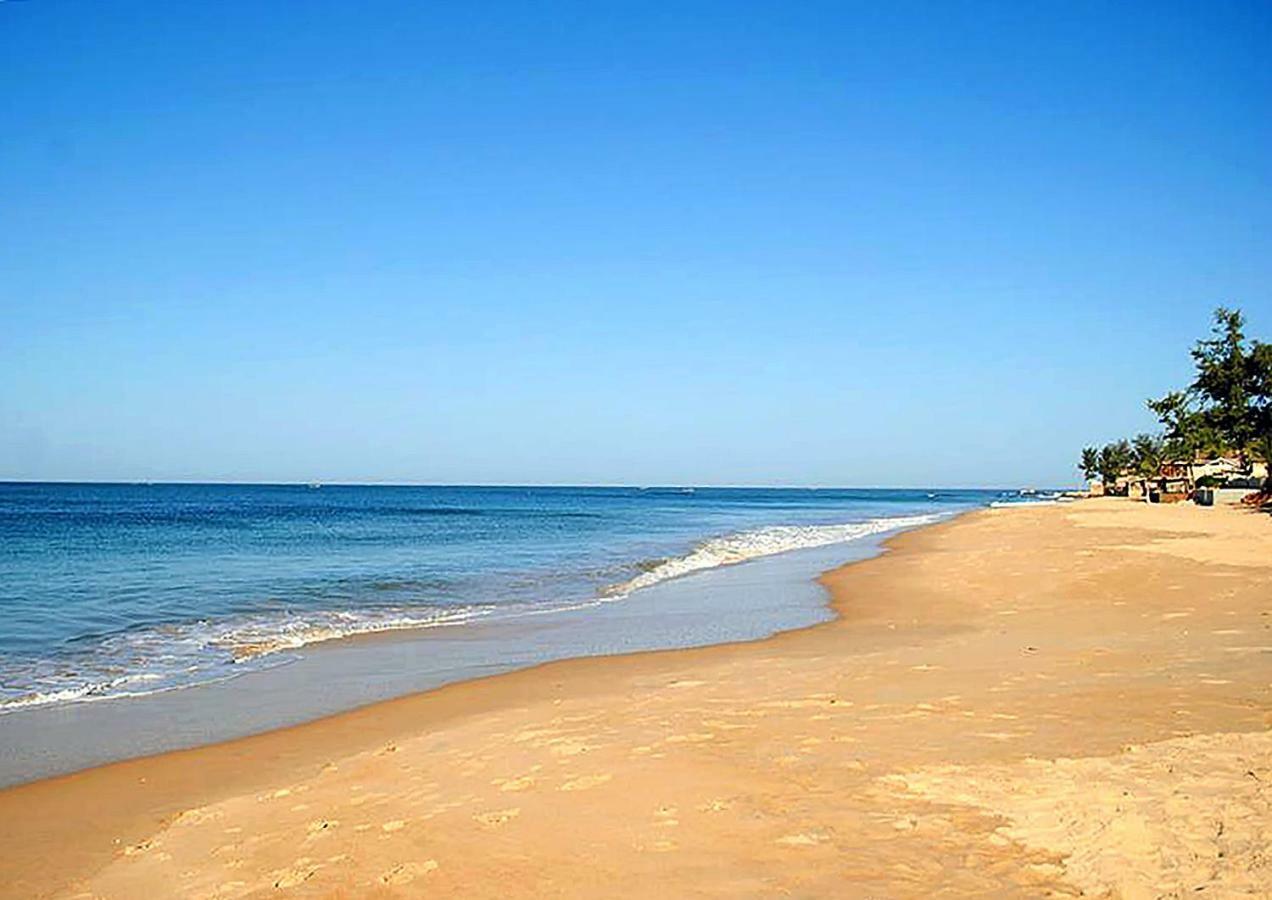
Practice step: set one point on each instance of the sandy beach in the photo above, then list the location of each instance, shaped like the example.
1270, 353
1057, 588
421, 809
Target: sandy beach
1069, 700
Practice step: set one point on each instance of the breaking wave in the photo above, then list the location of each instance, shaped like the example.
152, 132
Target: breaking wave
747, 545
151, 659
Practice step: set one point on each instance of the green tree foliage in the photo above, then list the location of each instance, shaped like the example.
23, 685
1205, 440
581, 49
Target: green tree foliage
1115, 459
1227, 409
1090, 463
1187, 433
1228, 406
1223, 380
1149, 451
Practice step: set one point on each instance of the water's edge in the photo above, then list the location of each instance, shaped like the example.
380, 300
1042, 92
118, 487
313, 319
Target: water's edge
743, 601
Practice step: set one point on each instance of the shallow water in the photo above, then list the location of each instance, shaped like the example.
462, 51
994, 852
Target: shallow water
189, 613
115, 590
742, 602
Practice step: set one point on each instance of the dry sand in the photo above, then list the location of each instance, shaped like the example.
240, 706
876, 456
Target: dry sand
1067, 700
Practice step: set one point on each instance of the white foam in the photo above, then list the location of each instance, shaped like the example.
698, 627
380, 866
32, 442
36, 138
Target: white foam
176, 656
257, 638
746, 545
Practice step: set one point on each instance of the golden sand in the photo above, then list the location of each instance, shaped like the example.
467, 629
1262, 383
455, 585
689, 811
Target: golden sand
1068, 700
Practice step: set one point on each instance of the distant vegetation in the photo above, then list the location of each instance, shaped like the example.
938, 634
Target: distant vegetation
1225, 412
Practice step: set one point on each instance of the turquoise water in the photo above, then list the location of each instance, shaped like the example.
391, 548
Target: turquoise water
123, 590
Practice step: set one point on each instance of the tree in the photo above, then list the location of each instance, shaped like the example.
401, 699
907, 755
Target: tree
1187, 434
1115, 459
1224, 381
1227, 409
1149, 454
1228, 406
1090, 464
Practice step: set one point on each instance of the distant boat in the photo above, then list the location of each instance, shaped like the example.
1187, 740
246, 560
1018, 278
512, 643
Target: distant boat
315, 485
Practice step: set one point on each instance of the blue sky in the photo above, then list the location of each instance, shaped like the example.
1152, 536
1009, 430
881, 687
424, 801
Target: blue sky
813, 243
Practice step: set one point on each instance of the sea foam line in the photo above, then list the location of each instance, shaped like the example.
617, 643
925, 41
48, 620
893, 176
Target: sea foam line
205, 653
179, 656
747, 545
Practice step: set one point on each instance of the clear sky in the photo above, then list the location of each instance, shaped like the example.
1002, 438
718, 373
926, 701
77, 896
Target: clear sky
784, 243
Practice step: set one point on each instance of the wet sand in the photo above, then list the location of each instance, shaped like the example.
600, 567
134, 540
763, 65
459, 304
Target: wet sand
1040, 701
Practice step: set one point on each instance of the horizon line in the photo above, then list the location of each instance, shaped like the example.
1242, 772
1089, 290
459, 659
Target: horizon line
495, 484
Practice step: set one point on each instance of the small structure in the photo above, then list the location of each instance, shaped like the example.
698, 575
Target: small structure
1228, 478
1225, 496
1219, 467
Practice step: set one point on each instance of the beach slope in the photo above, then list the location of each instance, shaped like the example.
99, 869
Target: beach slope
1058, 700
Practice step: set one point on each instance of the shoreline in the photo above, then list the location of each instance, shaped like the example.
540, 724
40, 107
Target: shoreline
875, 608
708, 607
283, 749
152, 659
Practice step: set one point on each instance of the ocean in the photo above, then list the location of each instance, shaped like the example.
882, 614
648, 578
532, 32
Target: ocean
136, 619
110, 590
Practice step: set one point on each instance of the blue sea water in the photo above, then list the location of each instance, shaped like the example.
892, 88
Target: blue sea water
121, 590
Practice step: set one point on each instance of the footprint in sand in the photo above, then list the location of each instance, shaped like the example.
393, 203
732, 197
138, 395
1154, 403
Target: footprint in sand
567, 747
408, 872
497, 817
585, 782
366, 798
299, 872
802, 839
318, 826
197, 816
691, 738
395, 825
517, 784
139, 848
532, 734
815, 701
